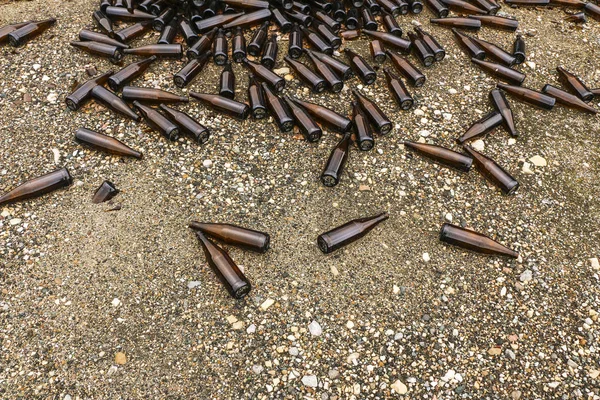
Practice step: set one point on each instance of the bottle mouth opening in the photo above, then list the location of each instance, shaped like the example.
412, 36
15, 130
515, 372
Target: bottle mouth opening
314, 136
337, 87
369, 79
443, 13
440, 56
242, 292
174, 134
279, 86
428, 61
419, 81
238, 57
513, 189
179, 81
287, 126
385, 129
220, 59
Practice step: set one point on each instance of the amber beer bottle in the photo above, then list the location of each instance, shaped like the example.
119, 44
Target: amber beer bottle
336, 162
362, 130
438, 51
225, 268
202, 45
500, 71
502, 106
295, 42
482, 127
227, 82
462, 7
158, 122
409, 71
234, 235
25, 33
519, 49
368, 20
349, 232
493, 172
568, 99
220, 48
468, 45
438, 8
122, 14
113, 102
377, 51
474, 241
129, 73
573, 83
238, 45
529, 96
207, 24
113, 53
278, 109
83, 92
325, 116
494, 21
258, 40
390, 24
106, 191
168, 34
187, 31
106, 143
150, 95
5, 30
256, 99
222, 104
159, 50
269, 55
103, 22
300, 18
441, 155
325, 32
87, 35
310, 79
421, 50
309, 128
398, 89
343, 70
316, 41
495, 52
38, 186
158, 24
360, 67
187, 124
380, 121
131, 32
457, 22
265, 74
352, 19
334, 83
390, 40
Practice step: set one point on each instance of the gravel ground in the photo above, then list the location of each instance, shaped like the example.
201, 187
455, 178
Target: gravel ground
122, 304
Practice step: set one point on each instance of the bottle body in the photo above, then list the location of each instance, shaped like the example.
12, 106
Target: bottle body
474, 241
348, 233
38, 186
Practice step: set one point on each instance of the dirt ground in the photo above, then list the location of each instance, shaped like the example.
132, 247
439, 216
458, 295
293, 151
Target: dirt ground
98, 304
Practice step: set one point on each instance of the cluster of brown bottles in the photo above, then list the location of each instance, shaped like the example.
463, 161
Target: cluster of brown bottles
222, 264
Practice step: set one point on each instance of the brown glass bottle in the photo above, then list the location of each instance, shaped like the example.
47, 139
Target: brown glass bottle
129, 33
529, 96
250, 19
482, 127
474, 241
309, 128
527, 3
106, 3
220, 48
113, 53
392, 7
129, 73
225, 268
222, 104
188, 73
238, 45
202, 45
416, 6
256, 99
360, 67
38, 186
338, 11
258, 40
361, 127
519, 50
300, 18
105, 143
5, 30
377, 51
457, 22
187, 31
336, 162
168, 34
159, 23
157, 7
490, 7
187, 124
577, 18
390, 40
438, 8
295, 42
103, 22
247, 4
211, 9
462, 7
269, 55
493, 172
87, 35
368, 20
325, 32
501, 105
568, 3
468, 45
343, 70
158, 122
227, 82
567, 99
159, 50
495, 52
122, 14
113, 102
390, 24
592, 10
151, 95
265, 74
330, 22
501, 72
332, 81
348, 233
316, 41
438, 51
494, 21
574, 84
409, 71
234, 235
441, 155
398, 90
83, 92
310, 79
207, 24
278, 109
352, 19
301, 7
285, 4
380, 121
325, 116
421, 50
25, 33
106, 191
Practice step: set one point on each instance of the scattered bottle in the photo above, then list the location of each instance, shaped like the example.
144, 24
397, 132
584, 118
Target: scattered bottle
490, 7
332, 81
223, 104
421, 50
129, 73
352, 19
457, 22
129, 33
441, 155
227, 82
325, 32
106, 191
529, 96
573, 83
265, 74
519, 50
438, 51
103, 22
360, 67
316, 41
390, 40
368, 20
280, 19
207, 24
83, 92
494, 21
501, 72
377, 51
325, 116
187, 31
250, 19
122, 14
300, 18
474, 241
150, 95
295, 42
462, 7
493, 172
310, 79
113, 53
398, 90
278, 109
256, 99
343, 70
202, 45
187, 124
409, 71
469, 45
502, 106
113, 102
349, 232
337, 161
390, 24
592, 10
158, 122
309, 128
528, 3
269, 55
38, 186
577, 18
87, 35
338, 11
247, 239
438, 8
27, 32
362, 129
567, 99
188, 73
495, 52
257, 42
238, 45
159, 50
106, 143
327, 20
380, 121
482, 127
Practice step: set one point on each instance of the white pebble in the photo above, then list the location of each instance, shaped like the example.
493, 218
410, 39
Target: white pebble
538, 161
266, 304
310, 380
426, 257
315, 328
452, 91
116, 302
424, 133
478, 145
207, 163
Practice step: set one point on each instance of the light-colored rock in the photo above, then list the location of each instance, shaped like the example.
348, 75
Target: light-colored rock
399, 387
424, 133
315, 328
396, 289
494, 351
426, 257
310, 380
526, 276
594, 263
266, 304
120, 358
452, 91
116, 302
15, 221
527, 168
238, 325
538, 161
349, 324
251, 329
478, 145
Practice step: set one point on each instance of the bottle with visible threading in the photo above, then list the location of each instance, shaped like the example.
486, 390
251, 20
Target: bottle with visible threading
222, 104
421, 50
159, 50
348, 233
501, 72
83, 92
25, 33
188, 73
474, 241
38, 186
87, 35
574, 84
265, 74
113, 53
493, 172
151, 95
377, 51
360, 67
158, 122
457, 22
220, 56
332, 81
168, 34
390, 40
438, 51
278, 109
310, 79
399, 92
361, 127
468, 45
238, 45
441, 155
325, 116
482, 127
105, 143
225, 268
568, 99
336, 162
309, 128
227, 82
380, 121
529, 96
103, 22
409, 71
202, 45
258, 40
501, 105
129, 73
256, 98
247, 239
113, 102
269, 55
187, 124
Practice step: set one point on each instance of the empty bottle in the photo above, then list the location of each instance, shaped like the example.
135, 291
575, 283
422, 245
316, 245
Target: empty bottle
247, 4
159, 50
278, 109
380, 121
338, 11
501, 72
113, 53
105, 143
469, 45
438, 8
390, 24
295, 42
421, 50
310, 79
528, 3
106, 191
257, 42
336, 162
87, 35
256, 98
519, 50
113, 102
457, 22
38, 186
122, 14
592, 10
187, 124
567, 99
495, 52
129, 73
309, 128
494, 21
300, 18
202, 45
131, 32
325, 32
227, 82
416, 6
250, 19
220, 48
25, 33
474, 241
159, 23
462, 7
207, 24
223, 104
343, 70
360, 67
269, 55
502, 106
398, 89
158, 122
188, 73
106, 3
482, 127
573, 83
103, 22
151, 95
529, 96
390, 40
332, 81
352, 19
238, 45
234, 235
441, 155
493, 172
409, 71
285, 4
265, 74
5, 30
438, 51
83, 92
568, 3
316, 41
348, 233
168, 34
225, 268
362, 128
368, 20
188, 32
377, 51
325, 116
158, 7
